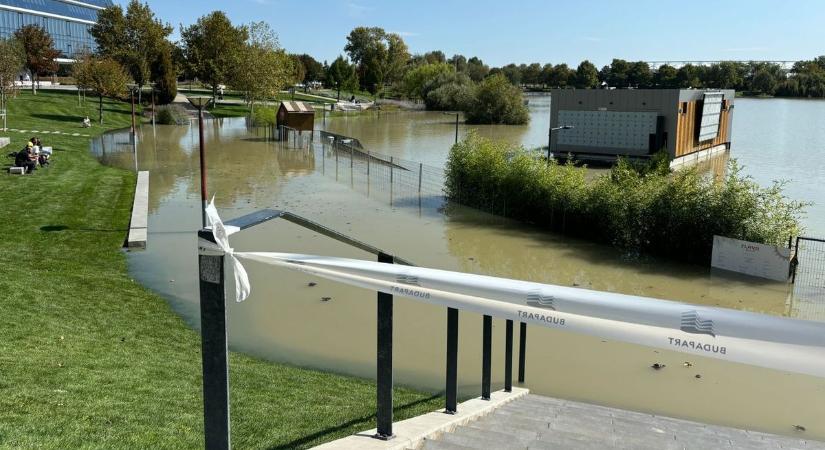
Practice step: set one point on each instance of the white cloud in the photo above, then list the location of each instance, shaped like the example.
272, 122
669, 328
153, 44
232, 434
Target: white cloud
405, 33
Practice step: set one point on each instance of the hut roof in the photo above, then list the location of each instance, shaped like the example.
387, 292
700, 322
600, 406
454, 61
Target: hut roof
298, 107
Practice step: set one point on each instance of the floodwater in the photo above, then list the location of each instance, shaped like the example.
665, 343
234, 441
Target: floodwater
286, 320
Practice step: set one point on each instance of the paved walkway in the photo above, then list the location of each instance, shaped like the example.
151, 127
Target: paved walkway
191, 111
536, 422
45, 132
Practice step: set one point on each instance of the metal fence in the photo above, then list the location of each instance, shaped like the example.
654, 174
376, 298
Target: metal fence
809, 279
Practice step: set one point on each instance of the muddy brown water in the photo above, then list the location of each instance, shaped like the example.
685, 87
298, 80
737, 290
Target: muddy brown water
286, 320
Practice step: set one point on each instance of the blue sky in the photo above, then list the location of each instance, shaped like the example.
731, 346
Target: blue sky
500, 32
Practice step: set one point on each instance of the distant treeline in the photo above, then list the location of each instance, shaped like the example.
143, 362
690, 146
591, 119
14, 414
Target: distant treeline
804, 79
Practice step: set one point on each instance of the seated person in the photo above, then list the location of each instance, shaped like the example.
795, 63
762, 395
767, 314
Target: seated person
86, 122
26, 158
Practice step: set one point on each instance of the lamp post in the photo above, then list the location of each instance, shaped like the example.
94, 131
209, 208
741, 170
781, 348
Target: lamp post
200, 103
550, 138
456, 123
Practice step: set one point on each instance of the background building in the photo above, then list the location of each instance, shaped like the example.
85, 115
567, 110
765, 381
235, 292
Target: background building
640, 122
67, 21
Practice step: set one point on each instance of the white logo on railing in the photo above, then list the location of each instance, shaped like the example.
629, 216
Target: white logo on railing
692, 323
534, 298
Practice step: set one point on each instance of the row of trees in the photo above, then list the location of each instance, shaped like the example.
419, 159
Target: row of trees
806, 78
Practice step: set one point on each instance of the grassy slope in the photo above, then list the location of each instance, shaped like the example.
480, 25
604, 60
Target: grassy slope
89, 358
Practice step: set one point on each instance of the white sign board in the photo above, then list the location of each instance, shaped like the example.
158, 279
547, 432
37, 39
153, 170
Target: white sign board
750, 258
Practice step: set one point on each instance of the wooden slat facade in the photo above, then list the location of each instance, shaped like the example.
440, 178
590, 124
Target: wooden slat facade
687, 128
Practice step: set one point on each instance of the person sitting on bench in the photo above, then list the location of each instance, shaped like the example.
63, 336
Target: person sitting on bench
26, 158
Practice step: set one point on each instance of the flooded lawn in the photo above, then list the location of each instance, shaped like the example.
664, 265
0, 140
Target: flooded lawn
285, 318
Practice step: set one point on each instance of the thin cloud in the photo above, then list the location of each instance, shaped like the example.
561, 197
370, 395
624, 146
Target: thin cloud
357, 9
592, 39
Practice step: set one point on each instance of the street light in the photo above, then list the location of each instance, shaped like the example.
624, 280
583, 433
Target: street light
200, 102
456, 123
550, 138
132, 94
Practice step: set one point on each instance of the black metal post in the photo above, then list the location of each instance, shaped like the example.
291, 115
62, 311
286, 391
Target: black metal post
214, 350
452, 361
384, 360
486, 356
522, 347
202, 153
508, 357
456, 128
549, 142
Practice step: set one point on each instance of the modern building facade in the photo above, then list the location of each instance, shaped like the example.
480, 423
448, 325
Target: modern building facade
639, 122
67, 21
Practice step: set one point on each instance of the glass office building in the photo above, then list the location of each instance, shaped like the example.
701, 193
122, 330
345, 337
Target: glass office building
67, 21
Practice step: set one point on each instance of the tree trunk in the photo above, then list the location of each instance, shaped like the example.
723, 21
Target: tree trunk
100, 108
214, 94
140, 90
34, 91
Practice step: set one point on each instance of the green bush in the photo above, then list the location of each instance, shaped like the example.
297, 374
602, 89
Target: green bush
640, 208
262, 117
165, 117
449, 92
497, 101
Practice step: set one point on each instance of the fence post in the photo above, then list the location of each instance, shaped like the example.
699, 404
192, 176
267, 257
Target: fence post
522, 347
452, 361
420, 172
214, 349
486, 354
508, 357
392, 172
369, 157
384, 360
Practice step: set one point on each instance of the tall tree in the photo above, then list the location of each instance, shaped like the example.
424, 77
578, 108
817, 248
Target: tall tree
313, 70
12, 58
38, 47
264, 68
476, 69
213, 48
165, 76
380, 56
665, 77
586, 75
513, 73
342, 75
415, 79
639, 75
459, 62
435, 57
103, 76
136, 40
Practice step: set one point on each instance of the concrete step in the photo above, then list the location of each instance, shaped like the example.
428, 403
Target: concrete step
505, 432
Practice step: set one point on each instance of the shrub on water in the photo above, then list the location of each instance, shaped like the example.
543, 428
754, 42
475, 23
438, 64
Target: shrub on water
636, 206
497, 101
165, 116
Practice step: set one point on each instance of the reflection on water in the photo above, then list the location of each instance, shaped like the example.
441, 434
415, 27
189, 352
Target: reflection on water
286, 320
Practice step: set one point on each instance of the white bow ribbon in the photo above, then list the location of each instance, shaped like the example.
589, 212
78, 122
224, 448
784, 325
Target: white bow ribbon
221, 234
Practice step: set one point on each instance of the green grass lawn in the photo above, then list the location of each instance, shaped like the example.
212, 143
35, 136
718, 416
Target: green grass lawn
89, 358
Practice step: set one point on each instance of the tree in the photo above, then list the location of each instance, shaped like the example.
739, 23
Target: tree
435, 57
639, 75
264, 68
417, 78
213, 48
476, 69
459, 62
497, 101
298, 70
616, 74
531, 74
313, 70
513, 73
135, 40
690, 76
165, 75
562, 76
12, 58
342, 75
39, 51
103, 76
665, 77
586, 75
380, 56
451, 91
764, 82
